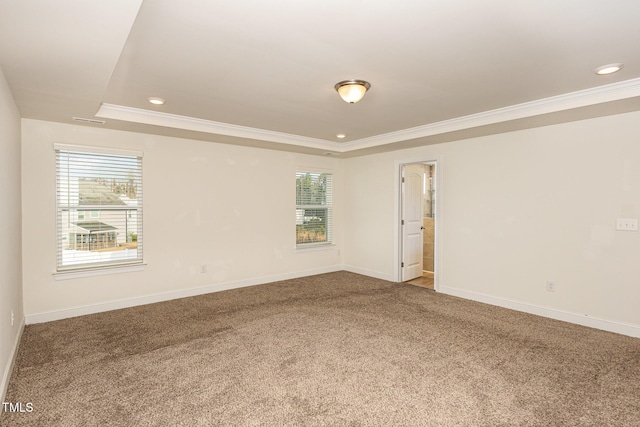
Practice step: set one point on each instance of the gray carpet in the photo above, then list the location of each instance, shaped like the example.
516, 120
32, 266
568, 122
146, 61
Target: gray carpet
333, 349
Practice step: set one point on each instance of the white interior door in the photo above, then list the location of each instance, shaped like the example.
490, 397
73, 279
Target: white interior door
412, 221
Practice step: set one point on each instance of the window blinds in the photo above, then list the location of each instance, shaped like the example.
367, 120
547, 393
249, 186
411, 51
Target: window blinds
99, 208
314, 208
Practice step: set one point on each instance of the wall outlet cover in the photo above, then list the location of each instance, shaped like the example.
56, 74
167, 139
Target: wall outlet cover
627, 224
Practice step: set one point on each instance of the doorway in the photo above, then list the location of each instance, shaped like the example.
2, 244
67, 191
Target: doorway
417, 223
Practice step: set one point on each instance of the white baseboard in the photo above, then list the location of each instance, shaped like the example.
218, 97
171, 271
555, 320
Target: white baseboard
6, 375
370, 273
565, 316
167, 296
592, 322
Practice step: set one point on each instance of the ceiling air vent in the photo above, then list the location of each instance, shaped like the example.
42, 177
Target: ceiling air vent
92, 121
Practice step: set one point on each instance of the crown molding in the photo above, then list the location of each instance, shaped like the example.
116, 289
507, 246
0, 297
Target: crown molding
569, 101
156, 118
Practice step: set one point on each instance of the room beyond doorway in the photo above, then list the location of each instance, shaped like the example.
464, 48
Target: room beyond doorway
417, 223
425, 281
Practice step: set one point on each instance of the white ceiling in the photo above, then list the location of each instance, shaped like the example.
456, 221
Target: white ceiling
262, 73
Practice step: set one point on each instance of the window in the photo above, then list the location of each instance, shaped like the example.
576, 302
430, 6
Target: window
99, 207
314, 208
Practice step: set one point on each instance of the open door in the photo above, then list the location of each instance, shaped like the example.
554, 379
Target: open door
411, 221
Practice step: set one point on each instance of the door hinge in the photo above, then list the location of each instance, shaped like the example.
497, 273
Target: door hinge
403, 179
402, 264
402, 222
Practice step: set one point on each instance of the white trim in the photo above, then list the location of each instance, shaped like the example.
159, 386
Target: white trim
6, 376
554, 104
314, 169
98, 150
313, 247
71, 271
309, 247
98, 271
552, 313
50, 316
438, 160
573, 100
370, 273
157, 118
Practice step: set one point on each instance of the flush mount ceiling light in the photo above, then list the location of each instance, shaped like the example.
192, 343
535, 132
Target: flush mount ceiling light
341, 136
155, 100
352, 91
608, 69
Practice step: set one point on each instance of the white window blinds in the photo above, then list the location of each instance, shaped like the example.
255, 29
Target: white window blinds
314, 208
99, 208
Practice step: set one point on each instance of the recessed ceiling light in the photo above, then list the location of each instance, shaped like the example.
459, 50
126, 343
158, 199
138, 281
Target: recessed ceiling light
608, 69
155, 100
341, 136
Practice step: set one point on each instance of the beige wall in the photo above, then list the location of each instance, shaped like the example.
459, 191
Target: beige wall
369, 215
536, 212
10, 225
231, 208
542, 207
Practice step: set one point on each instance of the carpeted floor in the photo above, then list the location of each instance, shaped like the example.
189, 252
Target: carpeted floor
333, 349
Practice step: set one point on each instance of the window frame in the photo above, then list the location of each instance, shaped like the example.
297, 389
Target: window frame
64, 271
328, 205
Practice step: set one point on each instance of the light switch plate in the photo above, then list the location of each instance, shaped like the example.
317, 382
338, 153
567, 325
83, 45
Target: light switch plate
627, 224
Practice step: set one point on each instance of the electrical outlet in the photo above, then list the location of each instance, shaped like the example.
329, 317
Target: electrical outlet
203, 268
12, 318
551, 286
627, 224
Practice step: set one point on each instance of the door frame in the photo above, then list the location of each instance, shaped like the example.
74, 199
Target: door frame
437, 160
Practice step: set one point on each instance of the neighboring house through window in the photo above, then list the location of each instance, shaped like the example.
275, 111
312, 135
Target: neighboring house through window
99, 207
314, 208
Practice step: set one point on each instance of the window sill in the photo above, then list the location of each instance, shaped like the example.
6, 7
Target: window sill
98, 271
316, 247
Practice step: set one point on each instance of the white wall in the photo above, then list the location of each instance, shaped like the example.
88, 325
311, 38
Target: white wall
369, 215
10, 225
517, 210
231, 208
